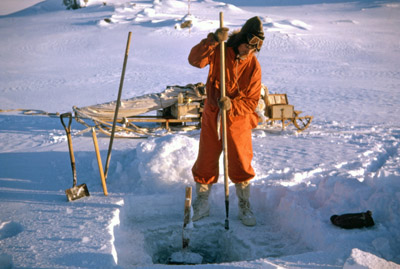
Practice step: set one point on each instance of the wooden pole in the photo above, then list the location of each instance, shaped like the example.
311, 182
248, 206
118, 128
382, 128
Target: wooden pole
224, 129
121, 83
186, 218
96, 148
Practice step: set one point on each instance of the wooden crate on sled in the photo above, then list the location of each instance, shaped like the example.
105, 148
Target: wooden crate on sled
277, 108
180, 114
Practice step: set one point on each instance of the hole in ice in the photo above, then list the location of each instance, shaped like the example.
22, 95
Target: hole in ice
210, 240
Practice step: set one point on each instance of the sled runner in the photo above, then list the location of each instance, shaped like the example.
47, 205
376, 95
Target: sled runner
178, 108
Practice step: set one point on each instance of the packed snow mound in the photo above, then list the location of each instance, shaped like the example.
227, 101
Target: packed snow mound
171, 14
285, 26
10, 229
362, 259
166, 162
38, 8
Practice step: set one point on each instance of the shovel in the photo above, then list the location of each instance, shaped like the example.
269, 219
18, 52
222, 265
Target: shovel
76, 192
186, 257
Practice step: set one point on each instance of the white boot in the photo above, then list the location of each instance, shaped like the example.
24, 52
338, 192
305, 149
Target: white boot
245, 213
201, 208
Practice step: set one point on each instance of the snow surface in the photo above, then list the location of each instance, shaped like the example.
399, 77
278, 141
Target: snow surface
337, 60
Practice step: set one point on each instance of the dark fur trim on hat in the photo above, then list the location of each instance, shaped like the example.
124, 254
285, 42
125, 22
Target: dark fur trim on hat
235, 39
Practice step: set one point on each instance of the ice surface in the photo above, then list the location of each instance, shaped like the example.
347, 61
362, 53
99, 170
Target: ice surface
337, 61
185, 257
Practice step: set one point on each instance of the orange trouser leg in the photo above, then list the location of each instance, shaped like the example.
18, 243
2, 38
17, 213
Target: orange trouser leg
240, 153
206, 168
240, 150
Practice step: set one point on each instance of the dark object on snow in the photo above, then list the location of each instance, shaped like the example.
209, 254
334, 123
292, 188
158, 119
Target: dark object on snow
353, 220
76, 192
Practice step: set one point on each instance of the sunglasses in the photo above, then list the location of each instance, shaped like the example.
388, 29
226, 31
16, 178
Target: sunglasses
254, 41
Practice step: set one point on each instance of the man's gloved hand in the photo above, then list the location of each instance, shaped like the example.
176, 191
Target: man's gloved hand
221, 34
225, 103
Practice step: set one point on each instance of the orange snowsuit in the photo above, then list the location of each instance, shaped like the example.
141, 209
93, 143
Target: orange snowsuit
243, 87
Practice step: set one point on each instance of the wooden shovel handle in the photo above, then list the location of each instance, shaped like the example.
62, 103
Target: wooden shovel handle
69, 138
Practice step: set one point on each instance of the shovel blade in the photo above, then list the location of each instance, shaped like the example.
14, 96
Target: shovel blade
77, 192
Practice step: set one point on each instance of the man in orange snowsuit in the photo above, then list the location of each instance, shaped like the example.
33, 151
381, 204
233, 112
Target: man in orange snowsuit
243, 89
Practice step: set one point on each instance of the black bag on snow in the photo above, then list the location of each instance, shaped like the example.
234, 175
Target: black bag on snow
353, 220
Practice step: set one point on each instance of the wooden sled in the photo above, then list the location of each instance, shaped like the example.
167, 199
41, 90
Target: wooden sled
277, 108
179, 108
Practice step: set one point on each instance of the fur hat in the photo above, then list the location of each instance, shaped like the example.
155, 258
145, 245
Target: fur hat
252, 27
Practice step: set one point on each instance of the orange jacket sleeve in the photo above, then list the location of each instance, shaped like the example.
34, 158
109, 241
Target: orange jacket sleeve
201, 54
